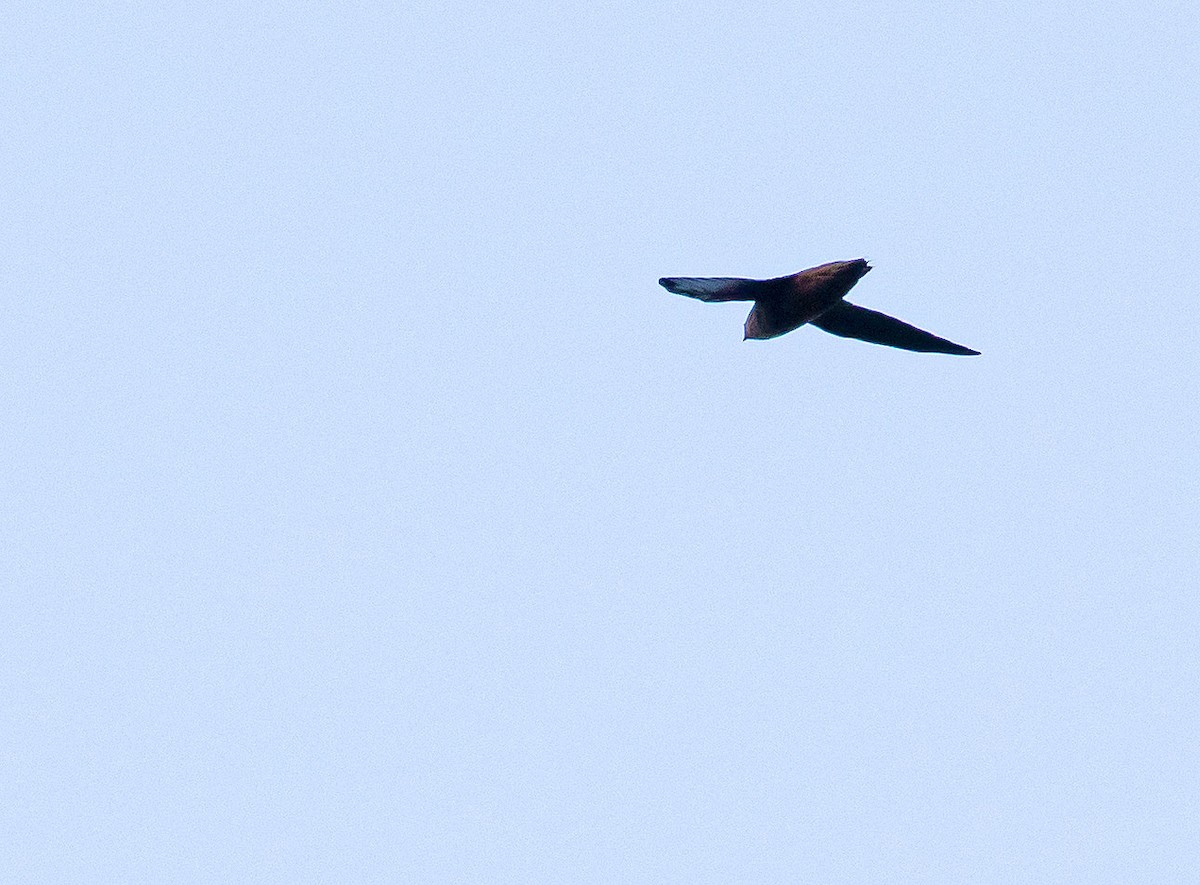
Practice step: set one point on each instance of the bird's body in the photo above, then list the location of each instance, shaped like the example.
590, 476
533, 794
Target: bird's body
813, 296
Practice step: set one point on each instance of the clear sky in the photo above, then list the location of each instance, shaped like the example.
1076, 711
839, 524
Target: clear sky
370, 514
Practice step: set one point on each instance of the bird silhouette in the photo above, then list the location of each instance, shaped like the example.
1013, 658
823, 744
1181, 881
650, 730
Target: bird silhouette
815, 296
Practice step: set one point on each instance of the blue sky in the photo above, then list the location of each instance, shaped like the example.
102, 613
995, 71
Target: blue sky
372, 515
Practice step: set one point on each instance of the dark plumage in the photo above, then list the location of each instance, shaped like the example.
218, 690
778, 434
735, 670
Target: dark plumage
813, 296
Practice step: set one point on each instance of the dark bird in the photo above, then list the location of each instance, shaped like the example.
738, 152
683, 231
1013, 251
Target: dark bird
813, 296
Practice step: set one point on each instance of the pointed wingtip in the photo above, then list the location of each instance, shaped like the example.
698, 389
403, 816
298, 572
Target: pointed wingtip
947, 347
851, 321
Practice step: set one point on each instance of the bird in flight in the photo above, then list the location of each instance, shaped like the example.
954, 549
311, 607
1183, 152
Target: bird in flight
815, 296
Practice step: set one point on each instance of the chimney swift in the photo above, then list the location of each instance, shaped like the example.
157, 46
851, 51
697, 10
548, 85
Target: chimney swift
813, 296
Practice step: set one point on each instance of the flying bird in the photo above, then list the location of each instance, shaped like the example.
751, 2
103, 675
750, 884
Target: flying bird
815, 296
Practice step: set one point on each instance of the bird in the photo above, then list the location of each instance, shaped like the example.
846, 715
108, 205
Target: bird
815, 296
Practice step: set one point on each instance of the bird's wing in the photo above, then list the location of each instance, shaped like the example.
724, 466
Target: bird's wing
713, 288
851, 321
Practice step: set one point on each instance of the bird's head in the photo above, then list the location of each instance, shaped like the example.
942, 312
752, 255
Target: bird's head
756, 326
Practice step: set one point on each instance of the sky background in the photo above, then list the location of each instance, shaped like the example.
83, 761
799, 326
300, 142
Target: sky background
370, 514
